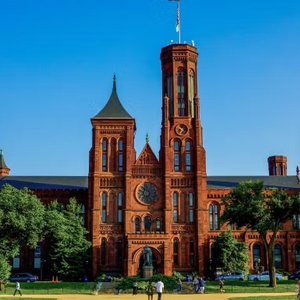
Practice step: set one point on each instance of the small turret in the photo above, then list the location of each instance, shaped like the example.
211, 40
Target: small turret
4, 170
277, 165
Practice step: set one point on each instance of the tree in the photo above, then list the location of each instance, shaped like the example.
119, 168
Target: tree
229, 254
262, 210
21, 224
66, 236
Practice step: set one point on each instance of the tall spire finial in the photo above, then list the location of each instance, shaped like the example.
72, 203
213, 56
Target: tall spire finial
178, 25
298, 173
147, 138
114, 83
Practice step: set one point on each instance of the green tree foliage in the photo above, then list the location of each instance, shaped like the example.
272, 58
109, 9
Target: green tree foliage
67, 238
21, 223
251, 206
229, 254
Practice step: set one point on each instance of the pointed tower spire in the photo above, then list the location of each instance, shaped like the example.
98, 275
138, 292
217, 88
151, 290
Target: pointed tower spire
113, 108
4, 170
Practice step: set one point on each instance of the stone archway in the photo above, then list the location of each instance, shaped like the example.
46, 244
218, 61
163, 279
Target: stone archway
138, 261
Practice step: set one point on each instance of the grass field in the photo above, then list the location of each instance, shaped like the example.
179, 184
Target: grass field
212, 287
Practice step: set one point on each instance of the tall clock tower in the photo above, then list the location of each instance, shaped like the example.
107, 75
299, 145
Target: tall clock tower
183, 158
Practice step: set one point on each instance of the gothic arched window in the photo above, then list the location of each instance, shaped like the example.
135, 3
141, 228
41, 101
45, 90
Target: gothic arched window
297, 258
121, 156
214, 217
176, 252
191, 93
120, 252
103, 251
158, 225
296, 221
120, 208
37, 257
256, 256
177, 156
191, 207
181, 93
104, 155
148, 223
192, 253
104, 207
175, 207
137, 225
278, 256
188, 156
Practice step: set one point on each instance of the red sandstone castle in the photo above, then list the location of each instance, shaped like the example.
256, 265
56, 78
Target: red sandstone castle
167, 203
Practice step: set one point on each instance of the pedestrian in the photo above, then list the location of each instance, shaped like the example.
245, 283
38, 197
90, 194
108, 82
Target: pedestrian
201, 285
150, 288
134, 288
18, 289
159, 289
98, 287
179, 285
221, 286
195, 284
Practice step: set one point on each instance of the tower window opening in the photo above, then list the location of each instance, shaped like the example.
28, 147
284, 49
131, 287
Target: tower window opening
104, 155
191, 208
188, 156
177, 156
137, 225
191, 93
104, 207
176, 252
170, 94
181, 93
175, 207
120, 208
214, 217
103, 251
121, 156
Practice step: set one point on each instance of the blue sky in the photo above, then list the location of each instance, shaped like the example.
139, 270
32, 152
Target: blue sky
58, 57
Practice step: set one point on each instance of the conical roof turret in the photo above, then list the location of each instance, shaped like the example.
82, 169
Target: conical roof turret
4, 169
113, 108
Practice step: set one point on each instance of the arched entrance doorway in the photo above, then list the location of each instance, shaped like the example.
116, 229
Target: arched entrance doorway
157, 261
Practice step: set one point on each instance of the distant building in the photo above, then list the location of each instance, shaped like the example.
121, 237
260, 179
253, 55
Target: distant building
167, 203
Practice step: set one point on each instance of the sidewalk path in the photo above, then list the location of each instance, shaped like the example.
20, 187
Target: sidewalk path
144, 296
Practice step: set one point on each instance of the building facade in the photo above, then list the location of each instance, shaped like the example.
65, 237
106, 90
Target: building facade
166, 203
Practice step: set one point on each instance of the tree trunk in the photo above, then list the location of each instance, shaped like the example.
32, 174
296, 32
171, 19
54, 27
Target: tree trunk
272, 273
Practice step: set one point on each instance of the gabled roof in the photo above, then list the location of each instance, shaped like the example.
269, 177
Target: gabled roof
113, 108
147, 157
2, 161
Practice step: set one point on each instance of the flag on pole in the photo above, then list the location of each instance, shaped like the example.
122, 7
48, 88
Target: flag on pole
178, 19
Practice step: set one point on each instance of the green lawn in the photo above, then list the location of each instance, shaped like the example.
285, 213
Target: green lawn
265, 298
50, 288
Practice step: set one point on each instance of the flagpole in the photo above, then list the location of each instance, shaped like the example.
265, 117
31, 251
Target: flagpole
178, 23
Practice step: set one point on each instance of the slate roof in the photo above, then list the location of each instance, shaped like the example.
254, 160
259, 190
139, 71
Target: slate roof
81, 182
46, 182
113, 108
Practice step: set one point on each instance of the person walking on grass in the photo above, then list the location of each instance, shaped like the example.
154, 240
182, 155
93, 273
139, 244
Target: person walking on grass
221, 286
18, 288
150, 288
159, 289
